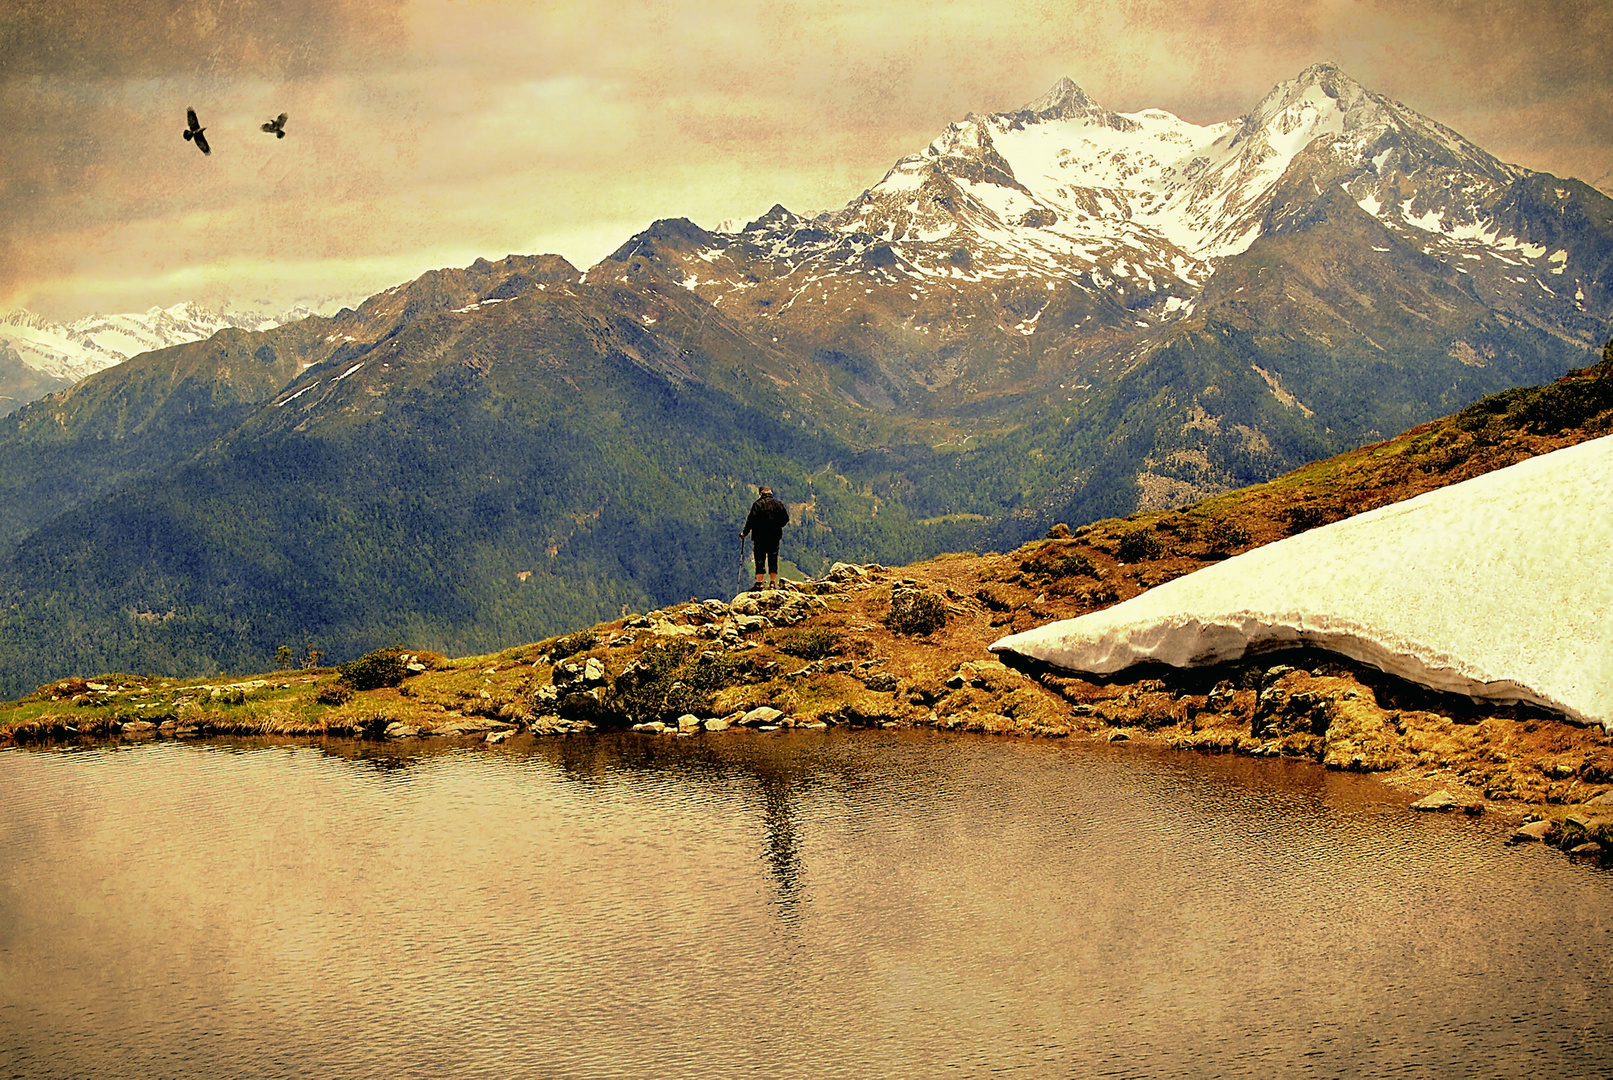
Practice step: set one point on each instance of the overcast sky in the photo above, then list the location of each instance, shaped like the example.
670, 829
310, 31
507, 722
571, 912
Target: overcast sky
427, 133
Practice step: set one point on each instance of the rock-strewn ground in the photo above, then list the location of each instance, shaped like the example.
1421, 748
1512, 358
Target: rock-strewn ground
875, 646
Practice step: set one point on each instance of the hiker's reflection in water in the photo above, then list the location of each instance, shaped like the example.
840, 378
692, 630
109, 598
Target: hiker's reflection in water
783, 843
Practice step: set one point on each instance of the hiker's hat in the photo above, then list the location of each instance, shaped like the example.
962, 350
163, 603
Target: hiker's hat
764, 490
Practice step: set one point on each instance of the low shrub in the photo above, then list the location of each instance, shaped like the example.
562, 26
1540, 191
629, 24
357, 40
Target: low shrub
655, 686
1140, 546
993, 599
916, 611
1077, 565
383, 667
811, 644
336, 693
572, 644
1222, 537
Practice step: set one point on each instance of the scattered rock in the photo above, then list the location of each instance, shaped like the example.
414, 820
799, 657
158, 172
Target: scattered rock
881, 682
399, 730
1532, 832
715, 724
1439, 800
762, 714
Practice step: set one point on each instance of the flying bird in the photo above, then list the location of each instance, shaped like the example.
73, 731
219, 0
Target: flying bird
277, 125
194, 132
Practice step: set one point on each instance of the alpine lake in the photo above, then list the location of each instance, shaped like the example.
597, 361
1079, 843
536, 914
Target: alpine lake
782, 904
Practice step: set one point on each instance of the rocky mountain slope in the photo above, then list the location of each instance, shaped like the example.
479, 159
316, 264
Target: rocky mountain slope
1331, 256
1056, 314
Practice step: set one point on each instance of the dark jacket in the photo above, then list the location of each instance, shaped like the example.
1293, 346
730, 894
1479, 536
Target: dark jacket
766, 522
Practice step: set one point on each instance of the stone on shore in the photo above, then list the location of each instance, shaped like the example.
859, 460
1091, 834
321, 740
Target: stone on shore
762, 714
1439, 800
1532, 832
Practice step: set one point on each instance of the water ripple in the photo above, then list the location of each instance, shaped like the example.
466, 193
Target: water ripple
876, 904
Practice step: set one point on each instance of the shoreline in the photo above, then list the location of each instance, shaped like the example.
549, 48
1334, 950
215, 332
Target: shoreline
1517, 764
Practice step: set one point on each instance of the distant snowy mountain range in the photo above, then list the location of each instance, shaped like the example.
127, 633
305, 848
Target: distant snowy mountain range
95, 342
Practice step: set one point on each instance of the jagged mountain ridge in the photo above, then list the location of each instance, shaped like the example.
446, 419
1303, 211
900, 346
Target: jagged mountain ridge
1058, 245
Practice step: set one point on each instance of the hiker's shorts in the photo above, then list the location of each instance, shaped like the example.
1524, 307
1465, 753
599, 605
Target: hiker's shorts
767, 561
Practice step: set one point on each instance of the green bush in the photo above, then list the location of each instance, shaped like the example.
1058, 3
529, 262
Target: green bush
1140, 546
1077, 565
715, 671
572, 644
383, 667
811, 644
1305, 516
654, 686
1223, 537
916, 611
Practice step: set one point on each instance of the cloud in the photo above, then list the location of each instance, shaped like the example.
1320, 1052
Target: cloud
420, 128
225, 39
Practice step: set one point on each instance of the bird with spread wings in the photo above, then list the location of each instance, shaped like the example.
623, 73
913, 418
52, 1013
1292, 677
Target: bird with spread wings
194, 132
277, 125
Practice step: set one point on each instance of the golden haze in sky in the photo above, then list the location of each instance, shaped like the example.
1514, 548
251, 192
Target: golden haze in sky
427, 133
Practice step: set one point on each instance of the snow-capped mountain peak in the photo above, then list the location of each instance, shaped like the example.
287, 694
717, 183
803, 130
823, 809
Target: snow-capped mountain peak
1067, 101
1065, 222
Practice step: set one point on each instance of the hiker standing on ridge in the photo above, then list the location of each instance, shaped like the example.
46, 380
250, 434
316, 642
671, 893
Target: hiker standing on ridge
765, 523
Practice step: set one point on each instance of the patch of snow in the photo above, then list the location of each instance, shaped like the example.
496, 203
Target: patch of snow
1493, 588
294, 397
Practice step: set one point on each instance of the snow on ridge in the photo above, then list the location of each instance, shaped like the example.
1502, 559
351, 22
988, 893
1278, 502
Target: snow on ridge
96, 342
1064, 170
1491, 588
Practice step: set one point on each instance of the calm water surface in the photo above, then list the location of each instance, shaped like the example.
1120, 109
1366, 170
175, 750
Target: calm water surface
796, 905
